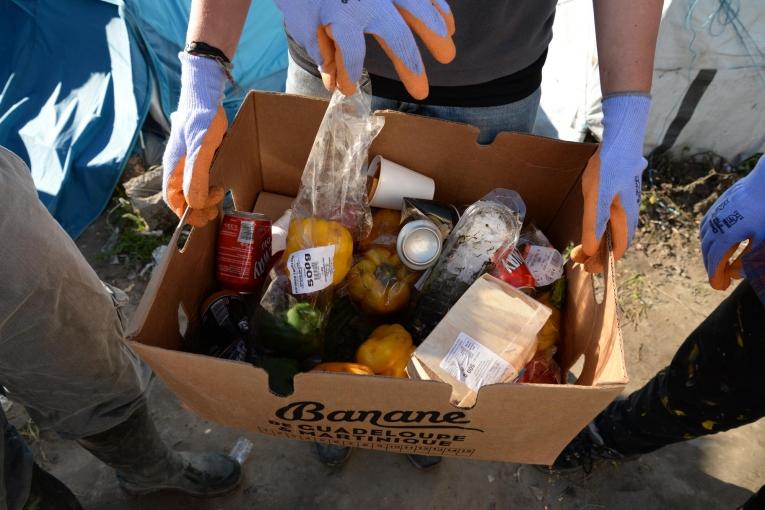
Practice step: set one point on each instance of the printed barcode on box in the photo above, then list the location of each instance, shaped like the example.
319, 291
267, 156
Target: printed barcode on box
246, 232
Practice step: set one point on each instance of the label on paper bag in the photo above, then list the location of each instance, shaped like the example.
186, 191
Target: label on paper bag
473, 364
545, 264
312, 269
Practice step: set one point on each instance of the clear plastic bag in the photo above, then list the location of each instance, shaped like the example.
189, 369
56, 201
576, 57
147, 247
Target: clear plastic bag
334, 183
542, 259
331, 209
330, 212
488, 225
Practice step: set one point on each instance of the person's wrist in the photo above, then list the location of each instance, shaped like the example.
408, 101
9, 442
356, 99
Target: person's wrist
202, 80
202, 49
625, 117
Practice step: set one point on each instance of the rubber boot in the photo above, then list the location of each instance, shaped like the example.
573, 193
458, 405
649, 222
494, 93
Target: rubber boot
46, 492
145, 464
331, 455
423, 462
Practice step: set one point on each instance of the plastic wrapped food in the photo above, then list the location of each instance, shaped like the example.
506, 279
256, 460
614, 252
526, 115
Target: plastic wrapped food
334, 184
488, 225
380, 283
508, 265
328, 214
443, 215
542, 369
549, 335
289, 325
385, 226
542, 259
331, 209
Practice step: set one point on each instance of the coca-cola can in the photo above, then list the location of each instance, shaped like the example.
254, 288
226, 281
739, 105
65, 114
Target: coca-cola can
244, 251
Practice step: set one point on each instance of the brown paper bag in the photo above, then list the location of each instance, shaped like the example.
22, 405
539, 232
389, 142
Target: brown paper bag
487, 337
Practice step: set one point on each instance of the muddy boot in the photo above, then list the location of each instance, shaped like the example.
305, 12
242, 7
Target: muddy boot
145, 464
423, 462
46, 492
331, 455
586, 450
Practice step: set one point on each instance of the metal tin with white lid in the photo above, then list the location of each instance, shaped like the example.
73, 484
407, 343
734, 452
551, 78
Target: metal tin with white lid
419, 244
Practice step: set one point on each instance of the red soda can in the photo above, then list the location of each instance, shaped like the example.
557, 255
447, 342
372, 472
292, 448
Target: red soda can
509, 266
244, 251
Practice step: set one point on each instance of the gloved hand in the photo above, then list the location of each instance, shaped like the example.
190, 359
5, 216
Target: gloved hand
612, 180
738, 214
198, 126
332, 32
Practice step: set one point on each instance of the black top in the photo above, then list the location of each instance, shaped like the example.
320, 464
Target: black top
504, 90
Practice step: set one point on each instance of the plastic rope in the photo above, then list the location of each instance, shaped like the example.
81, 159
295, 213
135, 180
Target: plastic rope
726, 15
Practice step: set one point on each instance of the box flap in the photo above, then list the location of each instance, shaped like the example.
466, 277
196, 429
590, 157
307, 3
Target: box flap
542, 170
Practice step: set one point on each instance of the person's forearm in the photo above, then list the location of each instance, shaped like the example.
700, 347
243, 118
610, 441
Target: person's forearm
218, 23
626, 33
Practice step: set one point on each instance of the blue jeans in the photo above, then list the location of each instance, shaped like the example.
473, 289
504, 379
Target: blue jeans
490, 120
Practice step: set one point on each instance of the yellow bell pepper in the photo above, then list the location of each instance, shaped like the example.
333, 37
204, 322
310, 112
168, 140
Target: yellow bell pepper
312, 232
385, 226
379, 283
387, 350
549, 335
348, 368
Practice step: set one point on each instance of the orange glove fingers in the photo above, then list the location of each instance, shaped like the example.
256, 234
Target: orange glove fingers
416, 84
442, 48
451, 26
619, 229
728, 270
196, 180
327, 50
590, 186
342, 79
175, 198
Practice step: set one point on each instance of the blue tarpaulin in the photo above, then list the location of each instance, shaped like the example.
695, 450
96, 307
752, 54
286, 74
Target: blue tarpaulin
76, 78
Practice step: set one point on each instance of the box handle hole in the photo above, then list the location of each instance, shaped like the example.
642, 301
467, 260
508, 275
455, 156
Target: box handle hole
183, 237
598, 287
229, 202
183, 320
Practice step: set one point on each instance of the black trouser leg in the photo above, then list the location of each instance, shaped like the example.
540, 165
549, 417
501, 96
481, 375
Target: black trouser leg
715, 382
16, 465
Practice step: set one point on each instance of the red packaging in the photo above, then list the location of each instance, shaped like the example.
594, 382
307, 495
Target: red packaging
542, 369
244, 251
509, 266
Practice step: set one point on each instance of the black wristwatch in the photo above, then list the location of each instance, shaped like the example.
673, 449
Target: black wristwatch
202, 49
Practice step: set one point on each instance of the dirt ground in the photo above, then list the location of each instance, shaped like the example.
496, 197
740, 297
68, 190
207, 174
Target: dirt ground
663, 297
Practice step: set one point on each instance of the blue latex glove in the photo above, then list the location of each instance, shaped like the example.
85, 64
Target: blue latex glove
612, 180
738, 215
332, 32
197, 129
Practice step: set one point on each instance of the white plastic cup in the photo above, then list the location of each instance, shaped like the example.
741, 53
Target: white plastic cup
392, 182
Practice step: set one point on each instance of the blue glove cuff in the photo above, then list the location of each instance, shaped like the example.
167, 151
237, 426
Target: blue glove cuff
625, 117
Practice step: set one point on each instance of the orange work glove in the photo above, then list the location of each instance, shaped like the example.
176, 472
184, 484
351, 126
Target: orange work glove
332, 32
198, 127
611, 183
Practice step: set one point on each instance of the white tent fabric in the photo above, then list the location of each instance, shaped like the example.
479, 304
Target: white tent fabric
708, 83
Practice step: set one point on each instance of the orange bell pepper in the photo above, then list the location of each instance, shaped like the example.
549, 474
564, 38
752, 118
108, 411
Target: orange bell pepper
348, 368
385, 226
387, 350
379, 283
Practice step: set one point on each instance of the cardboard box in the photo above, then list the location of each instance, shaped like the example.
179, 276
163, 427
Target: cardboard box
261, 161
